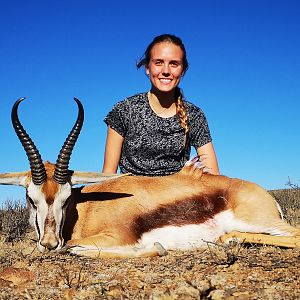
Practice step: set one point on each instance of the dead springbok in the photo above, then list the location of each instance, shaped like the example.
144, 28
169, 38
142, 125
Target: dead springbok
141, 216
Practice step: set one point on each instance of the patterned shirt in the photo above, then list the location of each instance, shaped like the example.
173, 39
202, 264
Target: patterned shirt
154, 146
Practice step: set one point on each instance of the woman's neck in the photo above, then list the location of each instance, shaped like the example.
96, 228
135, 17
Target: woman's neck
163, 104
164, 99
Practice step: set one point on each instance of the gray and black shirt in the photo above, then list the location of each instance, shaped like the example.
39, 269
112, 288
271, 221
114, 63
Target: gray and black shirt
154, 146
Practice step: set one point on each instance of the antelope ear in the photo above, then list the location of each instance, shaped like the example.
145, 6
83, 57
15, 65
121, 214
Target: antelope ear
17, 178
78, 177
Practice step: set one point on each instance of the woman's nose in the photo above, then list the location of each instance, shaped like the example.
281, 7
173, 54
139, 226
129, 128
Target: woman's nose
166, 70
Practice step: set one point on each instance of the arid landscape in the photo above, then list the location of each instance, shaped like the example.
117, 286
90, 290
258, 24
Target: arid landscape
234, 271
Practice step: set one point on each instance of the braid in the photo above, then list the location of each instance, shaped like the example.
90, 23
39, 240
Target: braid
182, 113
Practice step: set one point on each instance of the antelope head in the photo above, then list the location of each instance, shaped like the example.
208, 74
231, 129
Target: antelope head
49, 186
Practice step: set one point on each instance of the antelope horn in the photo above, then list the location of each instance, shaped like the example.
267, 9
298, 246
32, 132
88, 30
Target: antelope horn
37, 167
62, 163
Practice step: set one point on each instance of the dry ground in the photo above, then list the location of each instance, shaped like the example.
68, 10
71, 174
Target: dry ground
216, 272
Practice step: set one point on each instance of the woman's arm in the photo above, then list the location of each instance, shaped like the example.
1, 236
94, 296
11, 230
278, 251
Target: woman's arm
208, 158
113, 148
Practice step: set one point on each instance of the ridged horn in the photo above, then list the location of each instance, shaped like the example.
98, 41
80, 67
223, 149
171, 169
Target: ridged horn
37, 167
62, 163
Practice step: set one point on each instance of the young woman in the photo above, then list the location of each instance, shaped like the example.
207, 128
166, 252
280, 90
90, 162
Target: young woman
152, 133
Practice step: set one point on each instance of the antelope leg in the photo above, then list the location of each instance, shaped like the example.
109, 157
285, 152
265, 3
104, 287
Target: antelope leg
265, 239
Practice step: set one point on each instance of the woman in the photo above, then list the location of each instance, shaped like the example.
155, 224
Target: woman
152, 133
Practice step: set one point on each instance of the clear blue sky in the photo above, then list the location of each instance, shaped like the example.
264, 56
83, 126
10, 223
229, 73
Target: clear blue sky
244, 73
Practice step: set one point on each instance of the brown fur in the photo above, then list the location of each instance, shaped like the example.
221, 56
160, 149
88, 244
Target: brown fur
118, 212
50, 187
195, 210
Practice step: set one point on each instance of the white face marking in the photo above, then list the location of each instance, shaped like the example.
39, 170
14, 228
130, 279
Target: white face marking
39, 212
59, 209
52, 236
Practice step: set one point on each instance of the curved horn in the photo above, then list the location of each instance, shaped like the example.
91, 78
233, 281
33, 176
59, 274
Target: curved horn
37, 167
62, 163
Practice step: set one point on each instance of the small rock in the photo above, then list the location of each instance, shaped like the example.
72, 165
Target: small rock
235, 267
218, 280
188, 291
217, 295
5, 283
201, 285
245, 294
69, 294
16, 275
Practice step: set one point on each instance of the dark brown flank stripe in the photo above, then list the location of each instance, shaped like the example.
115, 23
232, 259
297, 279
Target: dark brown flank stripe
194, 210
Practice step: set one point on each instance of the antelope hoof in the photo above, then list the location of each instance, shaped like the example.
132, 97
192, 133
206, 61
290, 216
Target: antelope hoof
160, 249
64, 249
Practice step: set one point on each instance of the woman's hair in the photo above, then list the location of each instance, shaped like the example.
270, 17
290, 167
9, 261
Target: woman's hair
145, 60
182, 112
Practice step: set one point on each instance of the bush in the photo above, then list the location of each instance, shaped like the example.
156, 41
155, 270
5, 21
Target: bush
289, 201
14, 223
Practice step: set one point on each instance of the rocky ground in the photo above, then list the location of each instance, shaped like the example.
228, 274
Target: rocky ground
216, 272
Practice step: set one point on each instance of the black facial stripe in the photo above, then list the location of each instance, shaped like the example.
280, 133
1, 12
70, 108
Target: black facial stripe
30, 201
61, 225
37, 226
64, 212
65, 204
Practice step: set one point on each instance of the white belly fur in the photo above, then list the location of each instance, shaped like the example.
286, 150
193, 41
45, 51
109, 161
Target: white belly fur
192, 236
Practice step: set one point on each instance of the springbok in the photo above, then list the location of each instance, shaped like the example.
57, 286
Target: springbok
126, 216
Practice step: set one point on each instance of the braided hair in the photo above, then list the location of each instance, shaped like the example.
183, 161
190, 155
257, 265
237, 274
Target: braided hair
181, 110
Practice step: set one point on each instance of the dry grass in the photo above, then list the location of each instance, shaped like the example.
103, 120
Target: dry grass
289, 201
13, 221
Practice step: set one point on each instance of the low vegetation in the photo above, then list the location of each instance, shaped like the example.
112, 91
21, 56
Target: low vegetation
289, 201
13, 221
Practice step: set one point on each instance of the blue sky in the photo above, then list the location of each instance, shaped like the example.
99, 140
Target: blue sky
244, 73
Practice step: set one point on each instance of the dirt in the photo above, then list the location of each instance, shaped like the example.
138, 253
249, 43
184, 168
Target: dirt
215, 272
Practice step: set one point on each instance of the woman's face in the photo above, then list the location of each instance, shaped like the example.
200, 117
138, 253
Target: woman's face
165, 67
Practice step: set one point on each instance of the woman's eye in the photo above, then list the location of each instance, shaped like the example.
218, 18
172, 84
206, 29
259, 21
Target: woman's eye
158, 62
174, 64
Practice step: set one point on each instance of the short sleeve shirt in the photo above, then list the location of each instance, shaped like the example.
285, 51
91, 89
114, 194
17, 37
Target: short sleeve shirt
154, 146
